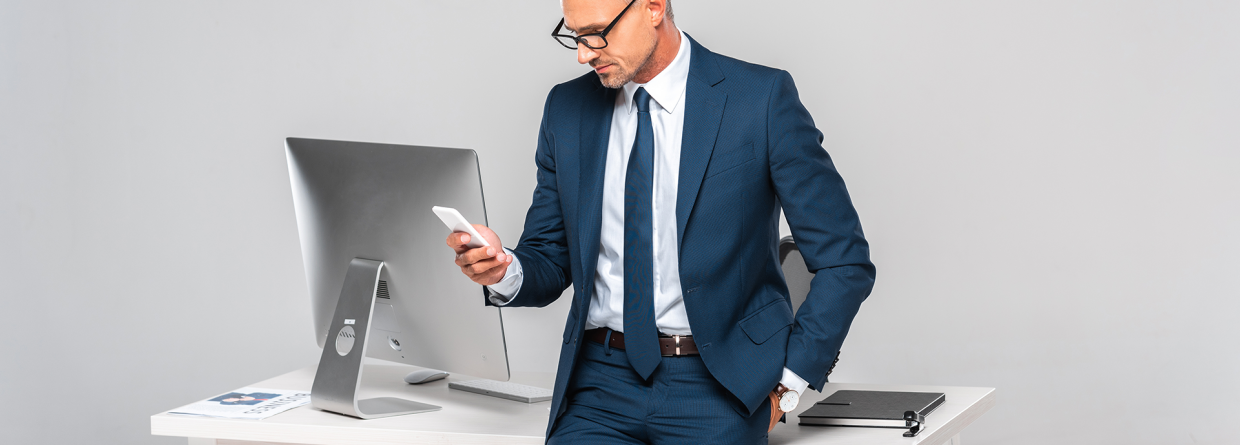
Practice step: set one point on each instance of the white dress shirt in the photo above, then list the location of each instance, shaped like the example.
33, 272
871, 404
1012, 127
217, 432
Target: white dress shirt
667, 117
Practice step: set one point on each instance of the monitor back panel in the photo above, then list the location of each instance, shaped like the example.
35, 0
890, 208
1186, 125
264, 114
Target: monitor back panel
373, 201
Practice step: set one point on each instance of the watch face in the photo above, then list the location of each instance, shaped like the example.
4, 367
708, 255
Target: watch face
788, 401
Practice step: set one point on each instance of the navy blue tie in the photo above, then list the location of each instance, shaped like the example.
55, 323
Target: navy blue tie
641, 336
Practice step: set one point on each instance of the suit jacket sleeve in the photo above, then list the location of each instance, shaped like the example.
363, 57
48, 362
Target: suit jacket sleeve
543, 248
827, 232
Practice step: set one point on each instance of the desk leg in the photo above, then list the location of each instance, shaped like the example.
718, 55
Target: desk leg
955, 440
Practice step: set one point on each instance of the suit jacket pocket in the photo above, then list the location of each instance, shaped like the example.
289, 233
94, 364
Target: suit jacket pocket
763, 324
724, 160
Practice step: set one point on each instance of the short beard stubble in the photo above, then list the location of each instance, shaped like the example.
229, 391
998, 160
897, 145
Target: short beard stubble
619, 76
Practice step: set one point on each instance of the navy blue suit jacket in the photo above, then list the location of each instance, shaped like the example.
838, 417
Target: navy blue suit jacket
749, 147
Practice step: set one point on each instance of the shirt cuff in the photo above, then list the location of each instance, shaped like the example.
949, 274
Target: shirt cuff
501, 293
793, 381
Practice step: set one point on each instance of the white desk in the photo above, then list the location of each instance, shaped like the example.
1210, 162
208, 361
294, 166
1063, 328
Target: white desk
469, 418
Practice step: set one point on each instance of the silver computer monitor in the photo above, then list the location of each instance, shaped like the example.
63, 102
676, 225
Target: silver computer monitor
373, 201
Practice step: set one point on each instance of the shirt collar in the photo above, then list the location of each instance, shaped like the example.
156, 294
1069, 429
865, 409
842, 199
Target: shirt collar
667, 87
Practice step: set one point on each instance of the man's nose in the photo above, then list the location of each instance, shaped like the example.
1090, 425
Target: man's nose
585, 54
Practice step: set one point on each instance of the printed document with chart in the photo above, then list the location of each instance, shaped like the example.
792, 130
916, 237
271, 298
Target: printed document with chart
246, 403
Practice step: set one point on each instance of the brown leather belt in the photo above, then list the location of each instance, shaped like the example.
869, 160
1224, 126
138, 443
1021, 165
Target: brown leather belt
671, 346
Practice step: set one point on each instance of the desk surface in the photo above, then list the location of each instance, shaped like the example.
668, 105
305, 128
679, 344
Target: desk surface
469, 418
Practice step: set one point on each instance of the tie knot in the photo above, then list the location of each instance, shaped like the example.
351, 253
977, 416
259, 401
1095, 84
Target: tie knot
642, 99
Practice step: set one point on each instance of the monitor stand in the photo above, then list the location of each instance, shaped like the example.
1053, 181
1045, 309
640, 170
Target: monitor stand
340, 367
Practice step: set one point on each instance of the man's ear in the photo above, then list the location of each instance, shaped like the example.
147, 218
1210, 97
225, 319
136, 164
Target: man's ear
658, 11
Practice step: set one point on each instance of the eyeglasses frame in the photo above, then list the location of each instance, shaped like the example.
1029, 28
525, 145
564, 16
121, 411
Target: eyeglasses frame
581, 38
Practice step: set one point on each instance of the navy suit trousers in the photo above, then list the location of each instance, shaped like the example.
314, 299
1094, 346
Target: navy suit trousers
609, 403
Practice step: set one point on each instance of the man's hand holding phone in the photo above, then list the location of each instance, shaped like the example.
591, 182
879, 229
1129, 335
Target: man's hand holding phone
485, 265
482, 260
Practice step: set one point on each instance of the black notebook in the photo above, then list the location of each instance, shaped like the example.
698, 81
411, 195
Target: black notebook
870, 408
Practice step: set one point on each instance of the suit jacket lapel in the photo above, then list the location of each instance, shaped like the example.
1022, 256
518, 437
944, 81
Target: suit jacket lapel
595, 135
703, 113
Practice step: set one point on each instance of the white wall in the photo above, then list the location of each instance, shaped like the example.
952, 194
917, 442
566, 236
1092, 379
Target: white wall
1049, 189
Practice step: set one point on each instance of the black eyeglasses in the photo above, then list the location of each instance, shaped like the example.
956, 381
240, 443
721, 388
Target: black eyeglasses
596, 40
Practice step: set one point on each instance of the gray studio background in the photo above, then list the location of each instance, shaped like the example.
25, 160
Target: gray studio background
1049, 187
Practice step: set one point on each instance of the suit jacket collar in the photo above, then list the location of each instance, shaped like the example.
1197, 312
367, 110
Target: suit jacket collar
704, 64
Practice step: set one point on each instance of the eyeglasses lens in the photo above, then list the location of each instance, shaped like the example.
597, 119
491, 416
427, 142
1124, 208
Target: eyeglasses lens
591, 41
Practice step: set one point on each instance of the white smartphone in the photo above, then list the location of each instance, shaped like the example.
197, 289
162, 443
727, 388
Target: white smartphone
457, 223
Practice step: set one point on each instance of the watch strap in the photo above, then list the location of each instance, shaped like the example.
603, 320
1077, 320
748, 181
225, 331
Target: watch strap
780, 390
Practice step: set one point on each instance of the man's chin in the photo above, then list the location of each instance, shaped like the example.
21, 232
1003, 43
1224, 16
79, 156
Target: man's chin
613, 79
611, 82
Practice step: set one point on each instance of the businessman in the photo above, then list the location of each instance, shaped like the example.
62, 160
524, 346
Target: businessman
661, 175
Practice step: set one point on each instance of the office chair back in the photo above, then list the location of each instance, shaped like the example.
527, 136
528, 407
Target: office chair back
796, 273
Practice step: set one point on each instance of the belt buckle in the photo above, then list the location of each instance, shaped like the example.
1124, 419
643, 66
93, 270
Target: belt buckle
677, 339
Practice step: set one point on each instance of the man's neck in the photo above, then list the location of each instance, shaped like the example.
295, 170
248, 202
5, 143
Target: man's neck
664, 52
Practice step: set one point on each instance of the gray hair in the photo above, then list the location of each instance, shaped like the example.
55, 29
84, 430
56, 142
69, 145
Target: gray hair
667, 13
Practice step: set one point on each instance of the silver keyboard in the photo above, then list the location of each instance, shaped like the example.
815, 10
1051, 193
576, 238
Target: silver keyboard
504, 390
